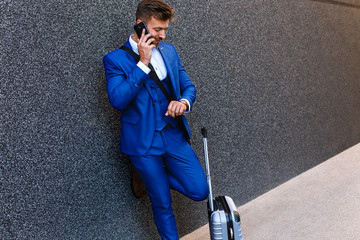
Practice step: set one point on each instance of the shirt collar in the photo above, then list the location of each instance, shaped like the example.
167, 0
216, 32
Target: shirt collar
133, 44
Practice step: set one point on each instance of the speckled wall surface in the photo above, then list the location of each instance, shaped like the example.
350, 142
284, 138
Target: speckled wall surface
278, 89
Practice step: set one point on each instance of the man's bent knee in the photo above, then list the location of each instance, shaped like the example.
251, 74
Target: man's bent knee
201, 194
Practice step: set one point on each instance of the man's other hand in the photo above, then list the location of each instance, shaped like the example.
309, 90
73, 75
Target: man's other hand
176, 108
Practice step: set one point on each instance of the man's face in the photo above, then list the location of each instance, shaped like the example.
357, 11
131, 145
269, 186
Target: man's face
157, 29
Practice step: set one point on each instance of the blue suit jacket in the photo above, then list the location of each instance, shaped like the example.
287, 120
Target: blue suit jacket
128, 89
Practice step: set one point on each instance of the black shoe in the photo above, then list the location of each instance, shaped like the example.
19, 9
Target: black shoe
137, 185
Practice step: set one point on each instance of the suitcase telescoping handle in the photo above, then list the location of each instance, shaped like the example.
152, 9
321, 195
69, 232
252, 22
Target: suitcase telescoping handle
208, 177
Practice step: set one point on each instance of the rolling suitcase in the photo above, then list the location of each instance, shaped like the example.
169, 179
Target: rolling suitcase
224, 218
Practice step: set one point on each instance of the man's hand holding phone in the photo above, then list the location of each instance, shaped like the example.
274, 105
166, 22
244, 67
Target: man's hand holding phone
145, 46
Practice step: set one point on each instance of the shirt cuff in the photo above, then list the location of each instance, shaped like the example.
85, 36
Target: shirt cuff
183, 99
143, 67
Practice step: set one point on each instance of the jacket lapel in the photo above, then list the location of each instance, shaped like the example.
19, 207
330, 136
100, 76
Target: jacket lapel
171, 68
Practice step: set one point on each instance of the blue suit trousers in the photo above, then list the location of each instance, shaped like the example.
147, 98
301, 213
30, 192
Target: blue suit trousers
170, 163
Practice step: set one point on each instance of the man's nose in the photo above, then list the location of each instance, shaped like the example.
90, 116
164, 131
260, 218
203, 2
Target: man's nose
162, 34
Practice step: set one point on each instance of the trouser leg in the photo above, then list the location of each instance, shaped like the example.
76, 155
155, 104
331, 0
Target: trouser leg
157, 185
185, 173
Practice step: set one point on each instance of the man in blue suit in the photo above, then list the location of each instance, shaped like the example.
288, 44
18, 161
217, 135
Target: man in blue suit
153, 129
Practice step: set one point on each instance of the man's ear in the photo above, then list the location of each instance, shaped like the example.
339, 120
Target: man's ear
138, 21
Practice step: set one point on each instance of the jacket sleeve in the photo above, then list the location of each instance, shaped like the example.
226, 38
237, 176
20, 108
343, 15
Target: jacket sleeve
122, 88
187, 87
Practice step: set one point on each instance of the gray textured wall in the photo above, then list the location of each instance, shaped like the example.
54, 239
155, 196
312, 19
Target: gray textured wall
278, 89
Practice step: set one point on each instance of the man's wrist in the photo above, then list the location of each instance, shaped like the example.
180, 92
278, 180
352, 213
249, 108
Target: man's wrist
186, 103
143, 67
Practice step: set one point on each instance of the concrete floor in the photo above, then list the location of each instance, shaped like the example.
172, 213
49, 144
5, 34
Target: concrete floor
321, 203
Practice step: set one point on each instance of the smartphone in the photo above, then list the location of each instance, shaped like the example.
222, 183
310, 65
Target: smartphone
139, 28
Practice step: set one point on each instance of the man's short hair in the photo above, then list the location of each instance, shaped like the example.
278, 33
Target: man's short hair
154, 8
